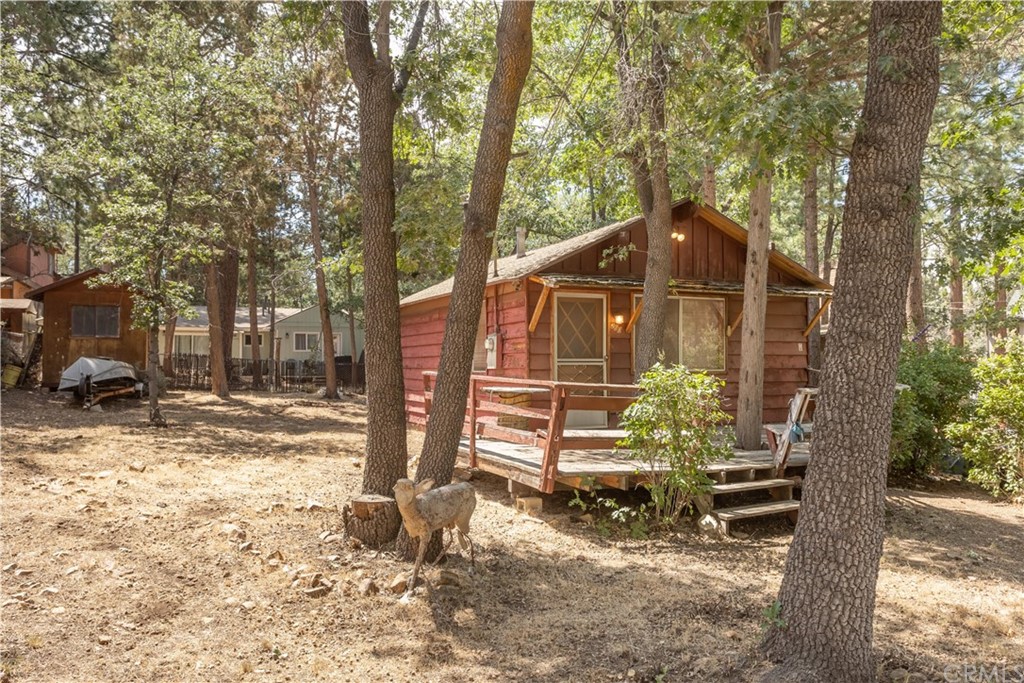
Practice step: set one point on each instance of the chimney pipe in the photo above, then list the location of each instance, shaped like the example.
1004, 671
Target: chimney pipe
520, 241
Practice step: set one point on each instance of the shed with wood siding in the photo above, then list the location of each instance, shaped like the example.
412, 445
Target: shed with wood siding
590, 284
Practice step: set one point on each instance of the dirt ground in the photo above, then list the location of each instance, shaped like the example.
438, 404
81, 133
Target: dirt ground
111, 574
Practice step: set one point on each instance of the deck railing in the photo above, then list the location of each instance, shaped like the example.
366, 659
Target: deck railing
538, 415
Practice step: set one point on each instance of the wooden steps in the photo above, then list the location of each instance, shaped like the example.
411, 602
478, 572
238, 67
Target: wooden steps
756, 485
727, 515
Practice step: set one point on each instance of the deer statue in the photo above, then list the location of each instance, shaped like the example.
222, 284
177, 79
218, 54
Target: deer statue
424, 511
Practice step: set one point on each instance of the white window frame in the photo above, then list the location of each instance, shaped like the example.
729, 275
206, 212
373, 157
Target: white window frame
305, 336
679, 333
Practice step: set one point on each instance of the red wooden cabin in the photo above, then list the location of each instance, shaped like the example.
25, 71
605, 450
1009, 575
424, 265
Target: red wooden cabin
566, 312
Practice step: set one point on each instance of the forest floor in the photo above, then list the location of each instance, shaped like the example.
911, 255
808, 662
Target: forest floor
113, 574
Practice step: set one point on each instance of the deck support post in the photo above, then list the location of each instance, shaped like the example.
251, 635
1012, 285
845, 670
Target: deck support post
553, 444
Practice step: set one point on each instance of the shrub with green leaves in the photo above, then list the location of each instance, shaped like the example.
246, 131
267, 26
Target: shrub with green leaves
941, 383
675, 422
992, 438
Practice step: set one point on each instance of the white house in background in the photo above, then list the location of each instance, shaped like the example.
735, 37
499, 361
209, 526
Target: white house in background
297, 328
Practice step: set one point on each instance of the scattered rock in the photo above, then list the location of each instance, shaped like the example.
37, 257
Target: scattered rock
105, 474
529, 504
316, 591
22, 572
314, 506
49, 590
9, 567
231, 602
357, 463
398, 584
233, 531
71, 570
586, 519
97, 408
137, 466
631, 673
899, 675
740, 535
207, 620
104, 640
245, 546
248, 605
451, 578
368, 587
276, 555
710, 525
334, 538
58, 610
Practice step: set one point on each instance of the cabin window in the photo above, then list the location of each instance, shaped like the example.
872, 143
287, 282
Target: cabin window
480, 348
694, 332
95, 321
248, 340
304, 341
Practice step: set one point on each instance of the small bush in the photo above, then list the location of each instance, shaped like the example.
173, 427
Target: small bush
992, 438
675, 422
941, 383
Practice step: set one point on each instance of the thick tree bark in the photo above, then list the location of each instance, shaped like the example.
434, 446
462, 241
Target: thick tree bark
811, 258
172, 325
827, 597
707, 183
444, 428
380, 94
153, 370
350, 296
214, 308
227, 283
956, 284
644, 98
915, 291
750, 403
254, 325
323, 303
831, 227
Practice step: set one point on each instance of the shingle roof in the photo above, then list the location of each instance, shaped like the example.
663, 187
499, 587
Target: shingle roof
201, 321
513, 267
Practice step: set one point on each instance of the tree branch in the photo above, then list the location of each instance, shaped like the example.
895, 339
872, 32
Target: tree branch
410, 49
355, 20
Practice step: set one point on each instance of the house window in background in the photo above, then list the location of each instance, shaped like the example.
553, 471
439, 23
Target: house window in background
95, 321
304, 341
694, 332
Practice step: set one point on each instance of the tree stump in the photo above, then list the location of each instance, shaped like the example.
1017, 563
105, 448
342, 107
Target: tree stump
372, 520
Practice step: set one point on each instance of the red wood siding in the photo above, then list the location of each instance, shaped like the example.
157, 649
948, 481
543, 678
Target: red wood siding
706, 253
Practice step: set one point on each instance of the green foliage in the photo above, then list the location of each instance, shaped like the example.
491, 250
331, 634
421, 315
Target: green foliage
675, 422
992, 438
940, 384
609, 514
771, 617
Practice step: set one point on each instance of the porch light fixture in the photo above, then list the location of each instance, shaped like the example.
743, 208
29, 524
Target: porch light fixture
618, 323
619, 319
678, 236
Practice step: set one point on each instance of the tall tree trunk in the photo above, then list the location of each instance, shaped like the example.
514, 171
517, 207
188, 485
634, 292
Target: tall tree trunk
811, 257
444, 428
707, 183
214, 312
827, 597
227, 282
831, 226
1000, 307
350, 296
323, 303
645, 99
380, 92
956, 283
750, 403
254, 325
915, 291
169, 330
153, 370
78, 236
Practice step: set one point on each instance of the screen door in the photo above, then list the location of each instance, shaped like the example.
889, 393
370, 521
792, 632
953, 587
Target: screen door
580, 349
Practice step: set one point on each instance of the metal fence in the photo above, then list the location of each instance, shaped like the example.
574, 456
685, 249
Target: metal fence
192, 371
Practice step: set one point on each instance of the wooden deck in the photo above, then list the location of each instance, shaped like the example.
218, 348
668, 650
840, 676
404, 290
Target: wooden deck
603, 468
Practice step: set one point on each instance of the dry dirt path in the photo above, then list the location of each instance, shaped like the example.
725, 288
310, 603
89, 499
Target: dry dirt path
111, 574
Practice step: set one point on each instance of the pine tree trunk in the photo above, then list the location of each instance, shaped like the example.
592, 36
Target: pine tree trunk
380, 92
708, 184
956, 284
153, 370
350, 295
254, 325
330, 372
811, 258
444, 429
750, 403
1000, 307
827, 597
172, 325
227, 282
214, 306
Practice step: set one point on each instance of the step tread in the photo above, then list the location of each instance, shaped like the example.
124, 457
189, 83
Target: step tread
759, 510
755, 485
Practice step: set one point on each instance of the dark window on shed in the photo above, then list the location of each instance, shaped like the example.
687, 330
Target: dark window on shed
95, 321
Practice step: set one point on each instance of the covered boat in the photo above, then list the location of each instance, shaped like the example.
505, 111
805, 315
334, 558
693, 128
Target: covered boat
89, 375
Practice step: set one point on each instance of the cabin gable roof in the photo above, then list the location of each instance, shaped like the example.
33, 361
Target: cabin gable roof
511, 267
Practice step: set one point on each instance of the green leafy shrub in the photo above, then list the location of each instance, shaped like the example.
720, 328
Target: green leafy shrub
992, 438
941, 383
675, 422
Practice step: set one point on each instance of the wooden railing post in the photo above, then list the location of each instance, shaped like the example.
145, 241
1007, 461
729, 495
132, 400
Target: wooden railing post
472, 421
553, 444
